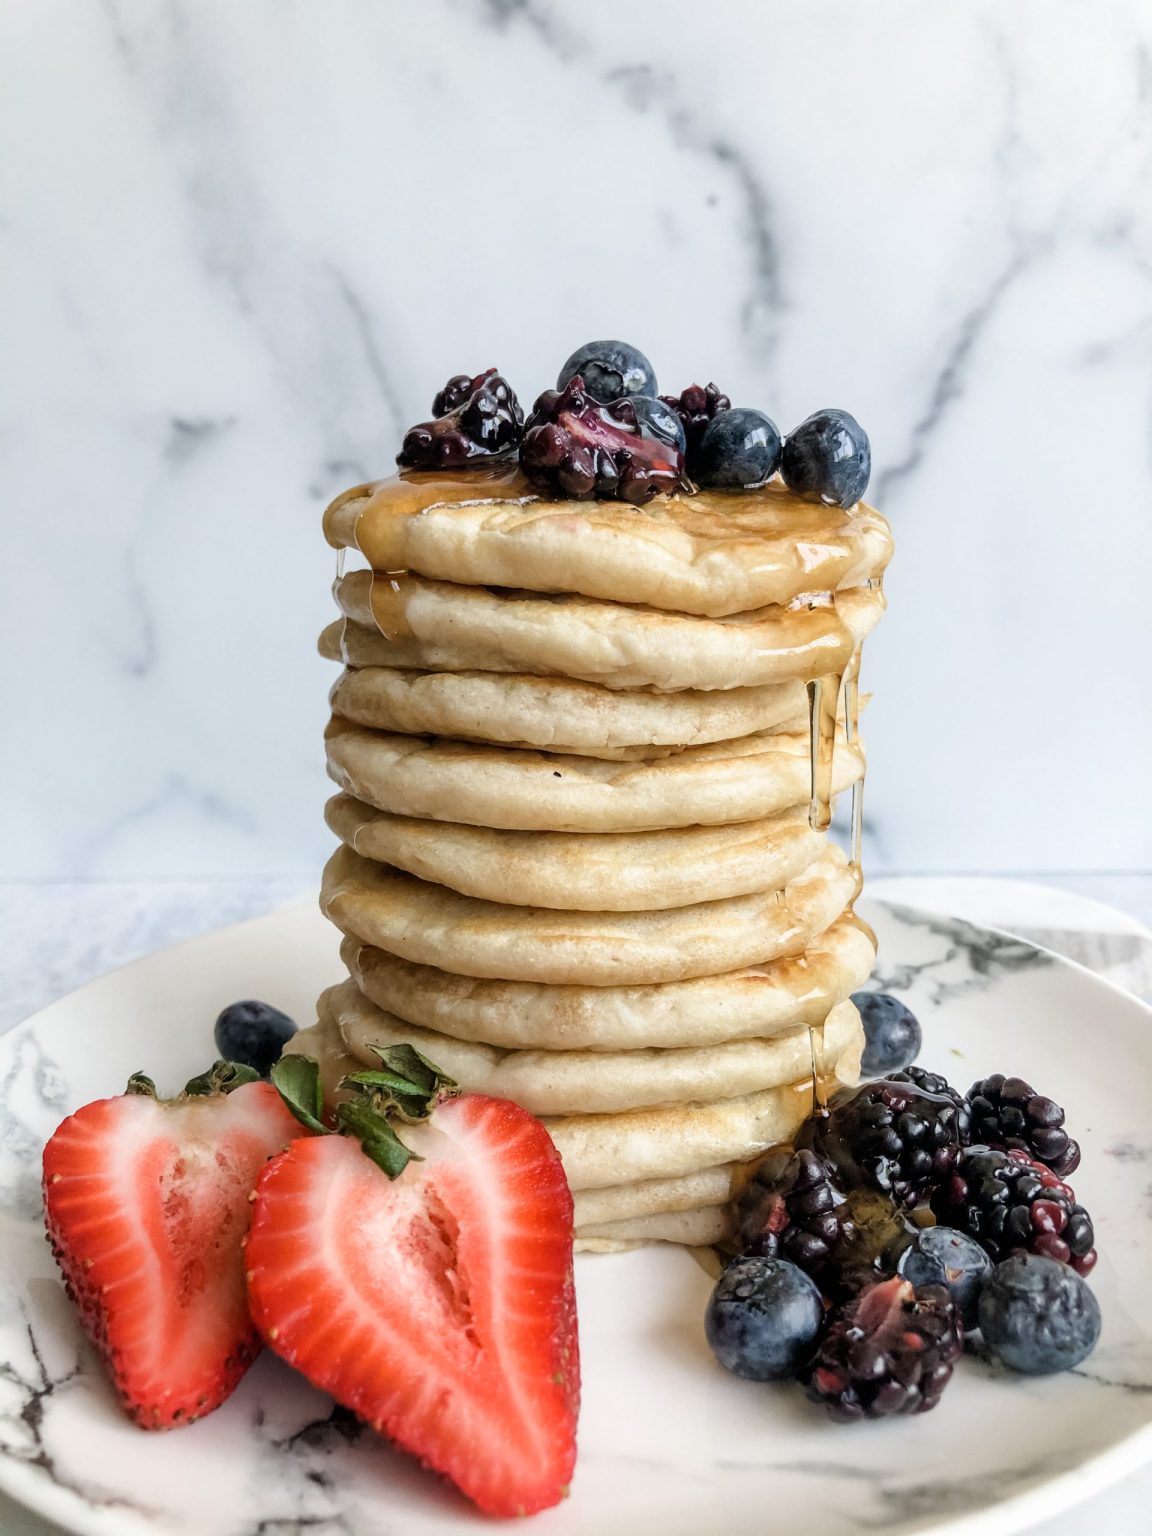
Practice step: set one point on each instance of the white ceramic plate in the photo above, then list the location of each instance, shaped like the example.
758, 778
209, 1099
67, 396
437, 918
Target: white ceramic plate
668, 1441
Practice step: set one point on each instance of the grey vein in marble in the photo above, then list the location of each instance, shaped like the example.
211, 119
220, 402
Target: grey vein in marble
186, 436
987, 955
38, 1078
36, 1390
175, 789
373, 356
949, 382
644, 90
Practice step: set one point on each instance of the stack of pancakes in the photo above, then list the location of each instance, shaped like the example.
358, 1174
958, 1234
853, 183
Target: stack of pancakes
585, 751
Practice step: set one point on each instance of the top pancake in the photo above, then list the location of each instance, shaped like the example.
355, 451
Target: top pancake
710, 553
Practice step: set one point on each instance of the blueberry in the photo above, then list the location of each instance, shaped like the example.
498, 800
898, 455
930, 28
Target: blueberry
610, 369
1038, 1316
828, 456
943, 1256
892, 1037
763, 1318
740, 449
253, 1033
654, 418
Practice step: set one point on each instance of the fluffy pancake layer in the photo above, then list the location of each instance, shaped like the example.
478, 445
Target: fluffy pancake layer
584, 872
595, 1082
748, 779
558, 715
749, 1003
615, 645
422, 922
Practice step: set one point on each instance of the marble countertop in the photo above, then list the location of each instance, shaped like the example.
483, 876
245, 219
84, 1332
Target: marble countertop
59, 935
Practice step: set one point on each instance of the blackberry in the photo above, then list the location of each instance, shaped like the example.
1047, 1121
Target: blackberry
889, 1350
900, 1136
579, 448
696, 407
472, 419
1008, 1112
940, 1088
453, 395
1011, 1204
792, 1209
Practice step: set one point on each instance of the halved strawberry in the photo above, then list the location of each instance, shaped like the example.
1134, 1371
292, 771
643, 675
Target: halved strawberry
438, 1304
146, 1203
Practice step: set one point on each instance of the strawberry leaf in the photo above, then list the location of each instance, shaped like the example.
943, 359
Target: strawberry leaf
221, 1077
390, 1092
297, 1080
416, 1076
377, 1138
406, 1061
139, 1084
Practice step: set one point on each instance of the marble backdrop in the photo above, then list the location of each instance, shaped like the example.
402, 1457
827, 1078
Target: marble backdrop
243, 244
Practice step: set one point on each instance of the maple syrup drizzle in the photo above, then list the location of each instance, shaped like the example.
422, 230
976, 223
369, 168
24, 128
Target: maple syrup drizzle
852, 734
823, 701
819, 1085
388, 598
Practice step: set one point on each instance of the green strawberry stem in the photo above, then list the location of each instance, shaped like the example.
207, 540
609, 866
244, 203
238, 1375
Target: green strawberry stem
221, 1077
407, 1087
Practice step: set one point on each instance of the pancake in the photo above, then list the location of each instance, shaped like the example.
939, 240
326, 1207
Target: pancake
744, 780
702, 1228
581, 871
613, 644
745, 1004
557, 714
652, 1197
600, 1151
640, 1145
357, 646
593, 1082
709, 553
431, 925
